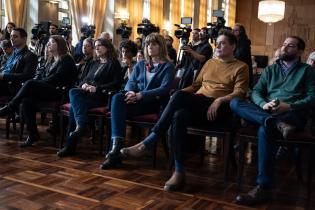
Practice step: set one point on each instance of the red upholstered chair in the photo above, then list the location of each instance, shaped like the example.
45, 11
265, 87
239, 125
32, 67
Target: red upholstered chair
303, 139
98, 114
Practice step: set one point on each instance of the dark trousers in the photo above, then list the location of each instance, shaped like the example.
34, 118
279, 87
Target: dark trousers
186, 109
267, 133
30, 95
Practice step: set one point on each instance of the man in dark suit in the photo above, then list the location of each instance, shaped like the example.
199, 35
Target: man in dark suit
20, 66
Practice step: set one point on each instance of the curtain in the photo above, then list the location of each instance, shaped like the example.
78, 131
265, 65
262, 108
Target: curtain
203, 13
97, 15
135, 9
232, 13
16, 11
175, 14
156, 12
188, 8
78, 9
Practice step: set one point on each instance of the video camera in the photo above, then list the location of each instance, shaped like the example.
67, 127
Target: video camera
65, 27
146, 27
183, 33
87, 31
124, 31
41, 30
214, 28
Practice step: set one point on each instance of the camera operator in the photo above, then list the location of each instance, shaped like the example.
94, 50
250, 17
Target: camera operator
194, 56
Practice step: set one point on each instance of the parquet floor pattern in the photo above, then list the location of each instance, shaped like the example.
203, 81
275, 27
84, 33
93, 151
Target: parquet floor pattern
36, 179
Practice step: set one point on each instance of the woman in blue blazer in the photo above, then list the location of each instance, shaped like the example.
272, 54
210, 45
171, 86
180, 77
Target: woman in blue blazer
149, 82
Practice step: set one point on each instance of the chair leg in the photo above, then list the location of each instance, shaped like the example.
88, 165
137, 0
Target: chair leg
21, 124
227, 142
101, 134
7, 126
310, 172
241, 159
297, 161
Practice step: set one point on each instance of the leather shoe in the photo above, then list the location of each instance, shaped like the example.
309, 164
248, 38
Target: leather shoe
111, 162
79, 131
256, 196
135, 151
176, 182
66, 151
285, 129
28, 142
4, 111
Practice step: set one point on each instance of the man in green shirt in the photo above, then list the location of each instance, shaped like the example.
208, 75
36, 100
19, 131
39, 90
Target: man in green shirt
281, 100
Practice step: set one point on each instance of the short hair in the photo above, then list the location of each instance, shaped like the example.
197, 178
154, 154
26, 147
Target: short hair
111, 52
22, 32
61, 43
301, 43
5, 44
90, 41
196, 29
158, 39
129, 45
228, 33
54, 25
168, 36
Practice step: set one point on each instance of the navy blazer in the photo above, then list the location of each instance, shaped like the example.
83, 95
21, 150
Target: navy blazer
159, 85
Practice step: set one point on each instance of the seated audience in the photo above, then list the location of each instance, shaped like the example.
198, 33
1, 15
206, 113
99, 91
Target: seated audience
7, 49
311, 59
138, 42
85, 62
243, 49
140, 55
128, 50
61, 73
20, 66
150, 81
103, 76
170, 49
204, 102
281, 100
105, 35
8, 29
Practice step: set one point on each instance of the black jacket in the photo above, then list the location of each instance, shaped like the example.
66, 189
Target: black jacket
24, 69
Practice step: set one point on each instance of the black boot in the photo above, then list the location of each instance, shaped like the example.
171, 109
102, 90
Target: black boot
66, 151
113, 158
79, 131
29, 141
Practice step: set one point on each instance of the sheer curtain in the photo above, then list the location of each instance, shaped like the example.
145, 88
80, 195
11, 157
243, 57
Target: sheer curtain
203, 13
16, 12
156, 12
135, 9
78, 10
97, 15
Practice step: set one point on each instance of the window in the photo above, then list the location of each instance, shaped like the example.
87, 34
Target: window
63, 10
2, 14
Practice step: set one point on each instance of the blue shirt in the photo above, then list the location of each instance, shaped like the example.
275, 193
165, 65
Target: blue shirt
8, 66
285, 69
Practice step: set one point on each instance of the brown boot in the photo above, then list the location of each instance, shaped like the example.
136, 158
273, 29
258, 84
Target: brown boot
285, 129
176, 182
135, 151
257, 195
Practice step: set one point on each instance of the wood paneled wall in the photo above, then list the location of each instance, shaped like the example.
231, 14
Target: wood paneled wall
299, 20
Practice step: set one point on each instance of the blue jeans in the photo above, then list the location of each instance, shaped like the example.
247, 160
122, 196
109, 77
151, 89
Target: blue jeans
120, 111
266, 133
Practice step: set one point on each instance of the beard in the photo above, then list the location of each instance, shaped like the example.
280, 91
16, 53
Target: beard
286, 57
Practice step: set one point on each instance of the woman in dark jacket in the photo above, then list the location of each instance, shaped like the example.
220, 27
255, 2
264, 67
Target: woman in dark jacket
104, 75
61, 73
243, 49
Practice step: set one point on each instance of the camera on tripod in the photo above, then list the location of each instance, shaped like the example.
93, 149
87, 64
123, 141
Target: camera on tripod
124, 31
41, 30
214, 28
146, 27
87, 31
65, 27
183, 33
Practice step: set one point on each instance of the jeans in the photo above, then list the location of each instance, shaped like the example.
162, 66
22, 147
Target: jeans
182, 110
266, 133
120, 111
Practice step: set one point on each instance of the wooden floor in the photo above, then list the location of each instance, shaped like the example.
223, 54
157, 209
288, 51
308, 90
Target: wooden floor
34, 178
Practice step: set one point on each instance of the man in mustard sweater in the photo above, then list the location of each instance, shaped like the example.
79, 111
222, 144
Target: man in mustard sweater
281, 100
205, 101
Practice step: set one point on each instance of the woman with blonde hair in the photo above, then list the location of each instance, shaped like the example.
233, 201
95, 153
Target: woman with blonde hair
149, 82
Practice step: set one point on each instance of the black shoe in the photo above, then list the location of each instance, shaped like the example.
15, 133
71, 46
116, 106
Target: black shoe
111, 162
4, 111
28, 142
79, 131
66, 151
256, 196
